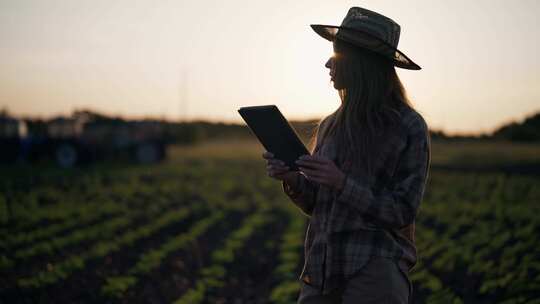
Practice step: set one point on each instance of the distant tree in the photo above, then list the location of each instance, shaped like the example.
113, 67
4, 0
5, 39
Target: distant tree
527, 131
438, 134
37, 127
97, 117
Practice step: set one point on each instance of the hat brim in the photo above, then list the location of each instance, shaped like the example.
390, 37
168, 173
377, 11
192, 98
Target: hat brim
367, 41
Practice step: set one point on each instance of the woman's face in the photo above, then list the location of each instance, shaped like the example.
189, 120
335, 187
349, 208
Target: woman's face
331, 65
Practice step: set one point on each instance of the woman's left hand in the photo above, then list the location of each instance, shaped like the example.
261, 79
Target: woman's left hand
322, 170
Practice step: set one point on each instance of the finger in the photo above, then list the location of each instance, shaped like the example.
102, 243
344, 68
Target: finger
311, 164
315, 158
320, 159
268, 155
275, 166
272, 173
279, 171
276, 173
317, 179
310, 172
276, 162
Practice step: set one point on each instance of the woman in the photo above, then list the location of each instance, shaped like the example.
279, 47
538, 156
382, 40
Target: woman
362, 186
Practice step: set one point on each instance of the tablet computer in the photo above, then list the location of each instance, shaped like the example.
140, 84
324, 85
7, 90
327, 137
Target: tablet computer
275, 133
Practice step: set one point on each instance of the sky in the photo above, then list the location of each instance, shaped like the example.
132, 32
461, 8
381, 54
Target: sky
205, 59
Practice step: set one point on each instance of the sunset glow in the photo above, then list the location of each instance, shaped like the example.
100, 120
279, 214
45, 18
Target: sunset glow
205, 59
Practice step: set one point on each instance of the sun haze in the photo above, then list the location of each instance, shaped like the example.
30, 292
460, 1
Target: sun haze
205, 59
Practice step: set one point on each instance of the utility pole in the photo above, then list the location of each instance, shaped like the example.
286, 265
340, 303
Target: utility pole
183, 94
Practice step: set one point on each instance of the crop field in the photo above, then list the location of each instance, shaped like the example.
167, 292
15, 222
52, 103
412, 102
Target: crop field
208, 226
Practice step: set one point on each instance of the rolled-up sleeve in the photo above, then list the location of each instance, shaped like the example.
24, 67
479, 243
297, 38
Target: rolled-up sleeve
304, 195
397, 207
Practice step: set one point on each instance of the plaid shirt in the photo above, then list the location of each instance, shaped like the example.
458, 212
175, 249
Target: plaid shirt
371, 215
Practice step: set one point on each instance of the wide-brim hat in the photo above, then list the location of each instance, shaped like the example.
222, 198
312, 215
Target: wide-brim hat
369, 30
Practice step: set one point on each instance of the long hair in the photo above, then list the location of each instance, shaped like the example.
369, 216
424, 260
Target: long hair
372, 95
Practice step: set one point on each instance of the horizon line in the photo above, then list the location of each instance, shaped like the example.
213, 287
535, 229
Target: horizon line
239, 120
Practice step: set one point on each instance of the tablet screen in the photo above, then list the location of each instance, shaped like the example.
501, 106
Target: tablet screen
275, 133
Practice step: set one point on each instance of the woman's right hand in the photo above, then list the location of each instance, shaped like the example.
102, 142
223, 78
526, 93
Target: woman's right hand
277, 169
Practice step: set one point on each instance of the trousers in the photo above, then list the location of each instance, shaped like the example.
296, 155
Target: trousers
381, 281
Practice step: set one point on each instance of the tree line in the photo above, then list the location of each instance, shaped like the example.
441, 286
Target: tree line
187, 132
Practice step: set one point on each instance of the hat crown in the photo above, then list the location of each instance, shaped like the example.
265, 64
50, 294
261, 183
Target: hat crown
378, 25
371, 31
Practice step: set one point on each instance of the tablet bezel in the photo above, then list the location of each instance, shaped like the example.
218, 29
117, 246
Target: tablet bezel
283, 127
